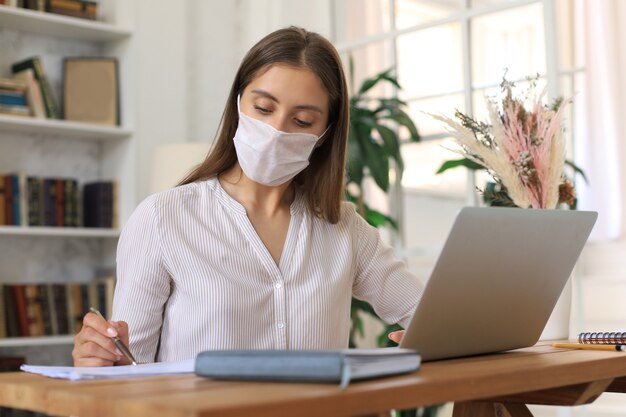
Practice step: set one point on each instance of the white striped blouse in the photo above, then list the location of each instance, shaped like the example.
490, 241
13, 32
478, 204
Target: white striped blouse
193, 275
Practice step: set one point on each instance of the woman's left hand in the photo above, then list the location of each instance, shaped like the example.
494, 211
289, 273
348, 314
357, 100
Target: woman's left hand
396, 336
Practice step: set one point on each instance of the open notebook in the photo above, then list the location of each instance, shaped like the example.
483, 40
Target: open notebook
127, 371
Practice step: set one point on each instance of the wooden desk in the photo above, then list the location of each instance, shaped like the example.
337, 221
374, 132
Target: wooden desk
498, 384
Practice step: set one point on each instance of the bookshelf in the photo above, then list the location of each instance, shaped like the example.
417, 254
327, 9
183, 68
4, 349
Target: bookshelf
59, 26
77, 232
15, 342
60, 148
62, 128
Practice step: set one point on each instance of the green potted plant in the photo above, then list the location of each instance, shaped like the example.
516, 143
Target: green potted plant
373, 143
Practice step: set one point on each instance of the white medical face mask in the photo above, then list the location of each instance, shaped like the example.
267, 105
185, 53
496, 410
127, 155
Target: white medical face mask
269, 156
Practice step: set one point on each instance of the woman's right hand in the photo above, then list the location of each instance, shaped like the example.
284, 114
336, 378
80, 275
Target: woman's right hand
93, 345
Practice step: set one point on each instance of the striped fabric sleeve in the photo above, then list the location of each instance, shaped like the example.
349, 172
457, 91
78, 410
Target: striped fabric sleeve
383, 280
143, 282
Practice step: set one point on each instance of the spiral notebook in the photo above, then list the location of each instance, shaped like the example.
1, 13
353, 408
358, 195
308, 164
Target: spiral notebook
602, 338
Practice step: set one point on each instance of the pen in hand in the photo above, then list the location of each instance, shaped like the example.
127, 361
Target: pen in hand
118, 342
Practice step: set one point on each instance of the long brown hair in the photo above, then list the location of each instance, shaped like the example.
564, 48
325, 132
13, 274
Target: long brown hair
322, 181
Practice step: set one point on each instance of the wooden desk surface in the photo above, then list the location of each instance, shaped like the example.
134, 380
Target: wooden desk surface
534, 372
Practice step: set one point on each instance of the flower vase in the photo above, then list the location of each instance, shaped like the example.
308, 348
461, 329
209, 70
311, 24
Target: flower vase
557, 326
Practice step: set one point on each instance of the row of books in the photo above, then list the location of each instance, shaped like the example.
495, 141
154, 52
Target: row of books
75, 8
60, 202
90, 91
51, 309
28, 93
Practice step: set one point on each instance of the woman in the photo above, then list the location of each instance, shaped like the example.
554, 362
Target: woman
255, 249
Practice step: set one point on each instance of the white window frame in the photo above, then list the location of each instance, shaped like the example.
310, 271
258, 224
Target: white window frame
464, 16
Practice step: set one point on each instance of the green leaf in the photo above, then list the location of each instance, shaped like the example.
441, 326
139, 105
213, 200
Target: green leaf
383, 337
390, 106
497, 197
391, 102
364, 306
392, 143
355, 168
454, 163
377, 160
359, 327
351, 71
374, 156
377, 219
369, 83
577, 170
402, 118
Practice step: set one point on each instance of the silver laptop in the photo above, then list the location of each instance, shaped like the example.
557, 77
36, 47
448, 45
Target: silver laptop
497, 280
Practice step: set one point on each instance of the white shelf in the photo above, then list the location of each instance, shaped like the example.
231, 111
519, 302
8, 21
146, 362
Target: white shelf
41, 231
57, 25
62, 128
36, 341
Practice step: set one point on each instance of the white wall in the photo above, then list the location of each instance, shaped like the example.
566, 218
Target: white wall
214, 37
187, 57
161, 72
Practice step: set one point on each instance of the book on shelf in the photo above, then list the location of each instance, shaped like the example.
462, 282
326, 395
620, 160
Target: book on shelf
2, 202
3, 318
91, 90
603, 338
70, 207
11, 363
48, 309
33, 92
56, 202
332, 365
38, 5
49, 205
35, 198
13, 97
74, 8
34, 310
99, 200
19, 302
13, 200
10, 315
34, 63
8, 200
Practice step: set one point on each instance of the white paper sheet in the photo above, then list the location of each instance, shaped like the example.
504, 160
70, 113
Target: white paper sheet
127, 371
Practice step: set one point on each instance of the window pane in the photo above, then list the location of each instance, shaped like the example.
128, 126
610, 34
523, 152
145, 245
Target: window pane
357, 19
521, 87
511, 40
570, 31
419, 111
575, 117
414, 12
421, 162
484, 3
429, 61
368, 61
